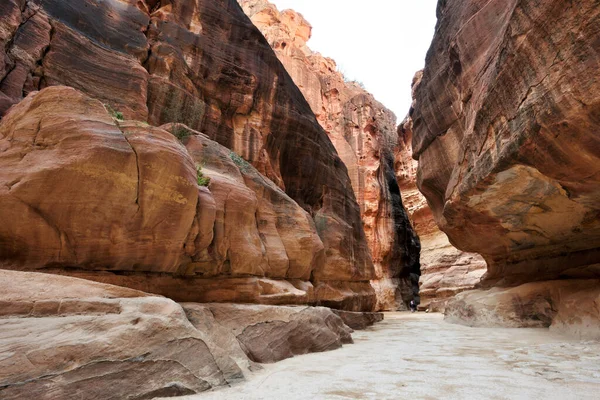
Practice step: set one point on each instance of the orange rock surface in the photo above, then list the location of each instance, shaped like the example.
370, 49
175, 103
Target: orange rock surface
364, 134
445, 270
195, 62
506, 135
98, 195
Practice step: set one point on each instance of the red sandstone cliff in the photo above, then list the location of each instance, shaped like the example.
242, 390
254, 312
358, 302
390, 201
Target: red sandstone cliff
364, 134
506, 135
445, 270
200, 63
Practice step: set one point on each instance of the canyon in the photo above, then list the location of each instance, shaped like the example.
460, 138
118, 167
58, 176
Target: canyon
378, 154
189, 193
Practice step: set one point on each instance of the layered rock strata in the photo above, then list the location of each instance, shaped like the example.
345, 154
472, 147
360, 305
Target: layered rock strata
505, 131
202, 64
63, 337
445, 270
364, 134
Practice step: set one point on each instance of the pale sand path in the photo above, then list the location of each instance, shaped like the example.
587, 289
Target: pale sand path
419, 356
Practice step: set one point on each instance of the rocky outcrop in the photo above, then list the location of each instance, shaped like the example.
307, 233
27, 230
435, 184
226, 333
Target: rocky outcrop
364, 134
202, 64
505, 131
565, 306
505, 134
445, 270
66, 337
269, 334
120, 202
359, 320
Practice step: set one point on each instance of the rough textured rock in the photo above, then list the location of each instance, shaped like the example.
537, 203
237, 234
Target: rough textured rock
359, 320
269, 334
505, 131
119, 202
64, 337
567, 306
200, 63
445, 270
364, 134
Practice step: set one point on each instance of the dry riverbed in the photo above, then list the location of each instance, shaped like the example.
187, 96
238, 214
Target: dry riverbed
419, 356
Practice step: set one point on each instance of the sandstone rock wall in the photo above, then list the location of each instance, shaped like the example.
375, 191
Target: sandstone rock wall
445, 270
505, 132
120, 202
195, 62
364, 134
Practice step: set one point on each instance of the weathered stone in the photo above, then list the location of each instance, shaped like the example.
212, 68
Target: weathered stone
63, 337
119, 202
359, 320
204, 64
269, 334
505, 131
566, 306
363, 132
81, 190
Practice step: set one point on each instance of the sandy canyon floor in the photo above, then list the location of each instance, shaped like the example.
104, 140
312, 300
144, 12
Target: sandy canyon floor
419, 356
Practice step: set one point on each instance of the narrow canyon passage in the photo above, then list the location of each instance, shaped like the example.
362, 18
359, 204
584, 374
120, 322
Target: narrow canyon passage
420, 356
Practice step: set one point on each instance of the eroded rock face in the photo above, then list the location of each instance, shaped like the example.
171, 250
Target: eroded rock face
63, 337
203, 64
363, 132
505, 131
119, 202
445, 270
566, 306
270, 334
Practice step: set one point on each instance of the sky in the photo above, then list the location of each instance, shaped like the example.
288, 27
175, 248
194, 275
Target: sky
381, 43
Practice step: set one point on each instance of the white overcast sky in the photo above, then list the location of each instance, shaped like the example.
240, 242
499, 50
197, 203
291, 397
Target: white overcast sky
381, 43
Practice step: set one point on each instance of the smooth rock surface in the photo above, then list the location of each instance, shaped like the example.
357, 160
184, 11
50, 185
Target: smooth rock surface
62, 337
420, 356
119, 202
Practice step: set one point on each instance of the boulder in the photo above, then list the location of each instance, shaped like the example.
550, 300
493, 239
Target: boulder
269, 334
359, 320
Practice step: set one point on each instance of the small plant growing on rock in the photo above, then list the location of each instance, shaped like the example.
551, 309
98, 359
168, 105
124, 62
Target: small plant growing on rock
242, 164
118, 115
181, 132
202, 180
